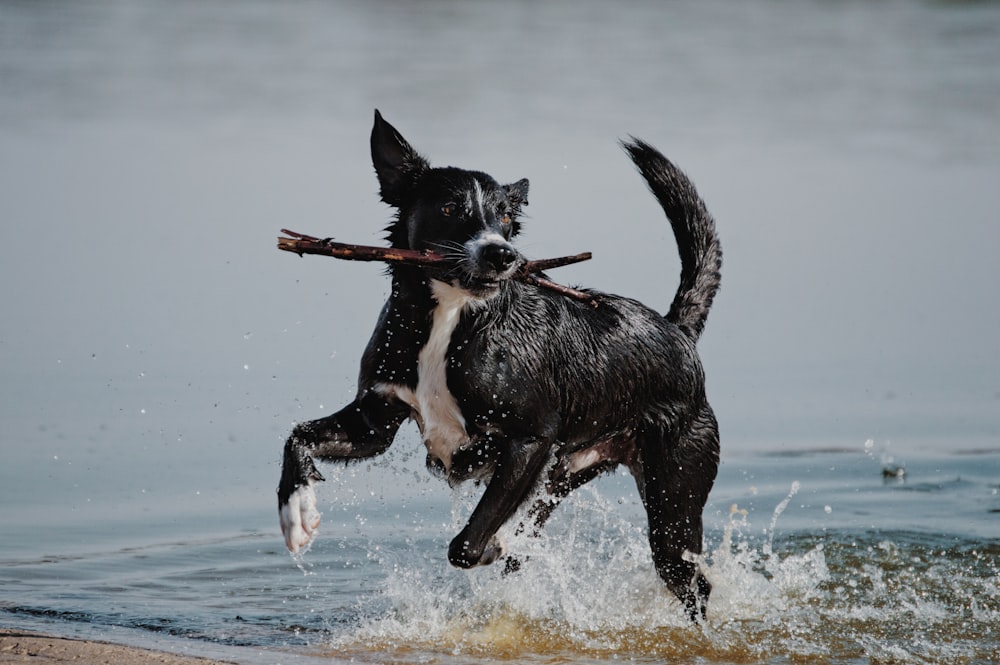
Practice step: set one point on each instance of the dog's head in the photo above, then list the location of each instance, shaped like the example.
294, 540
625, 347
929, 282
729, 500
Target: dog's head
465, 215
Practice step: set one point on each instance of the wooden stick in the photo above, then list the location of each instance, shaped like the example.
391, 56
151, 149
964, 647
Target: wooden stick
300, 243
303, 244
541, 265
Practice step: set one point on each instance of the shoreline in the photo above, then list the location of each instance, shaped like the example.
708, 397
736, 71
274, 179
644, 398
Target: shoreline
25, 646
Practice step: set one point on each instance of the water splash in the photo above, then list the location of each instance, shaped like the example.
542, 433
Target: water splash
587, 587
587, 592
779, 509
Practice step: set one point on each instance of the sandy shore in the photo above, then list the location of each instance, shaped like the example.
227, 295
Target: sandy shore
18, 646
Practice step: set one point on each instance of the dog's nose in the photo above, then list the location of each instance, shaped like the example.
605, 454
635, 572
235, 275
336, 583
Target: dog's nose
499, 257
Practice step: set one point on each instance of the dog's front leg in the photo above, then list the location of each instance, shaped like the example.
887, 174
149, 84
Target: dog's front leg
517, 469
363, 428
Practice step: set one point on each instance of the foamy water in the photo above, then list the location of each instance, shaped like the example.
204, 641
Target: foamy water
587, 592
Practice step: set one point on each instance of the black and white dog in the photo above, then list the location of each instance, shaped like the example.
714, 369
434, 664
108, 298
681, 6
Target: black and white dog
515, 386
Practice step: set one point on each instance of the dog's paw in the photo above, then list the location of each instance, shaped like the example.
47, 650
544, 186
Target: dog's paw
463, 554
494, 550
299, 518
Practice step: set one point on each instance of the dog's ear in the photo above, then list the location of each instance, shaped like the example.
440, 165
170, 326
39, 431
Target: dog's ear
517, 194
397, 164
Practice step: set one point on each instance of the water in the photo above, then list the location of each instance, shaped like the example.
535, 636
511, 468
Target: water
155, 349
813, 554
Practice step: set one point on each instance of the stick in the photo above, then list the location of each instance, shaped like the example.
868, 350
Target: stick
303, 244
300, 243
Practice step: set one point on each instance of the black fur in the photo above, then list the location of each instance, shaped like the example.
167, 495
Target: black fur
544, 388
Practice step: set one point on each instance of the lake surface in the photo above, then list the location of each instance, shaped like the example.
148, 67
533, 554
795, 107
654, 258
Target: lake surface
155, 349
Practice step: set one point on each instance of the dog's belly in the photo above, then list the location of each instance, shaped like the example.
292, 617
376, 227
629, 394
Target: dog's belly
442, 425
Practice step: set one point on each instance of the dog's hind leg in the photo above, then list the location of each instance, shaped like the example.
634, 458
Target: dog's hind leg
543, 507
570, 471
363, 428
675, 479
517, 469
577, 468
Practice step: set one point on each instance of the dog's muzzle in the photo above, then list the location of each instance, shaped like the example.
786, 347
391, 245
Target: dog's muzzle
499, 258
491, 260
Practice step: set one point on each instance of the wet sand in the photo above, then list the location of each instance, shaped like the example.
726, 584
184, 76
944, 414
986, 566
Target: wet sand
18, 646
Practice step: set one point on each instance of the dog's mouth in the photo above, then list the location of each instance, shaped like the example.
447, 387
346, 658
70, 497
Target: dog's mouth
473, 286
482, 282
479, 266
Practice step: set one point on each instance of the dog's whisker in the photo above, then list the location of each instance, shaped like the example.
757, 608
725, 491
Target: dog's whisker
449, 246
452, 251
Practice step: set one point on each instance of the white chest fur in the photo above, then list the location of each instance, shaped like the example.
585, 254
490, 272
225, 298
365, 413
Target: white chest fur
442, 425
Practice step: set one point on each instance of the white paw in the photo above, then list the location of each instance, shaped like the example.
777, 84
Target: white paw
299, 518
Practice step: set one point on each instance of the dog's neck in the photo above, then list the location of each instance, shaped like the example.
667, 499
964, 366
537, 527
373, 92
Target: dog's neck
451, 297
412, 287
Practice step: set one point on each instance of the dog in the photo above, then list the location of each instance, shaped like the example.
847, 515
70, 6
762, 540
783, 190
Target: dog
518, 387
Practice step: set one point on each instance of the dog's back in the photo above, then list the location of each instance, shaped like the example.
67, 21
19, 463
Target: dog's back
552, 364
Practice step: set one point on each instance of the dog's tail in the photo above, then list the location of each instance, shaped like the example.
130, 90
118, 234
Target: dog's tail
694, 229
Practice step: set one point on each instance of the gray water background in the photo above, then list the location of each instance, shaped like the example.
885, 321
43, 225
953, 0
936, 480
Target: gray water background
155, 347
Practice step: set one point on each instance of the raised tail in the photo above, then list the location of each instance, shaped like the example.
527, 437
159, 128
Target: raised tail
694, 229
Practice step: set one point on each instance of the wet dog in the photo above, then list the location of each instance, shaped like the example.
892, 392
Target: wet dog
519, 387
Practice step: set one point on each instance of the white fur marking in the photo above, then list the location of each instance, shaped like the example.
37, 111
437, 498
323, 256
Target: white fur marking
583, 460
441, 423
444, 426
299, 518
477, 200
400, 392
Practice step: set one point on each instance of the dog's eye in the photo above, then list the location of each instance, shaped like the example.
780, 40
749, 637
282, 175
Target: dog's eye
505, 220
448, 209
